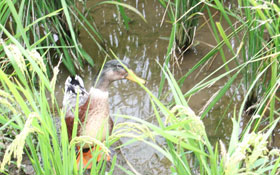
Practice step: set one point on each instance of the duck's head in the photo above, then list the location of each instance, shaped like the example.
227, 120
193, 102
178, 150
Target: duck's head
114, 70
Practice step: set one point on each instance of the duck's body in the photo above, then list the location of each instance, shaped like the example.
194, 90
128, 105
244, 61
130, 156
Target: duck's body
98, 123
93, 105
93, 114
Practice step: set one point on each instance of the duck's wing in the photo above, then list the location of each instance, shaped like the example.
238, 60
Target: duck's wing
74, 86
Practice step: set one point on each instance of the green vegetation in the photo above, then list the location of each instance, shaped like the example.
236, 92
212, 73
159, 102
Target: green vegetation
30, 56
47, 27
184, 18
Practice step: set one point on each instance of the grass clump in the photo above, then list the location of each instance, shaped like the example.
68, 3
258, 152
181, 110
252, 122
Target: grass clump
184, 18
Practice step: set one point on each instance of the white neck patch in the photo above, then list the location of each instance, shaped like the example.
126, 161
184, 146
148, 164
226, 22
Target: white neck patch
97, 93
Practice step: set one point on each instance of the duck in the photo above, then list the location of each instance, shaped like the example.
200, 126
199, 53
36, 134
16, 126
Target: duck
93, 105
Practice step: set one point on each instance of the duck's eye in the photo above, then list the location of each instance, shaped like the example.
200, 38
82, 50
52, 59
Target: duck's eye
119, 66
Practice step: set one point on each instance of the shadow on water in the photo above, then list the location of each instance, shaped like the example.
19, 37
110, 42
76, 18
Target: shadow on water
141, 47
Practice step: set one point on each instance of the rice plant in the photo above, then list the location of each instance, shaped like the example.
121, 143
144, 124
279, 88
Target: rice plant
260, 41
259, 58
32, 117
187, 145
183, 130
28, 103
44, 23
184, 17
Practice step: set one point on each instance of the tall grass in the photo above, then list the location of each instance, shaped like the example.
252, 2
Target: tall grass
54, 24
260, 70
184, 17
32, 117
184, 133
187, 145
28, 103
261, 51
31, 23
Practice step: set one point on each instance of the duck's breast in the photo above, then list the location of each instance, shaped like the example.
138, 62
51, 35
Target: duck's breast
97, 122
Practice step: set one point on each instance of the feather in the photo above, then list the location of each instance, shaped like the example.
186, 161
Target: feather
74, 86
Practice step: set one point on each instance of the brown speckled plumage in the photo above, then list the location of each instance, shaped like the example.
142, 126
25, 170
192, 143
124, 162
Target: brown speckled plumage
90, 107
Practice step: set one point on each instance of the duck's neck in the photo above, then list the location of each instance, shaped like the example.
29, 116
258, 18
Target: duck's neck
102, 83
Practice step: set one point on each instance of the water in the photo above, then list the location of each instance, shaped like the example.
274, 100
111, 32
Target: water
142, 47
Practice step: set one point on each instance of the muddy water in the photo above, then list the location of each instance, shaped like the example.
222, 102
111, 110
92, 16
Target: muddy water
141, 47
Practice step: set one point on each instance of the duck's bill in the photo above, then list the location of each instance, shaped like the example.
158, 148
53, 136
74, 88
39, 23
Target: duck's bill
133, 77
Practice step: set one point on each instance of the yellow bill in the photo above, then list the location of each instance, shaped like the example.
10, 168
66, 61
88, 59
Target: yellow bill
133, 77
